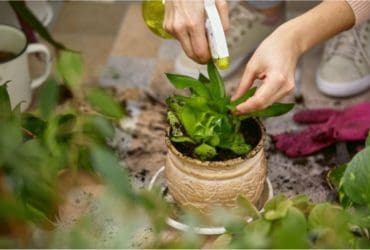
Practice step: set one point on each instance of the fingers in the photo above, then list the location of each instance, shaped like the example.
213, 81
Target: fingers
185, 42
274, 87
185, 20
260, 100
199, 44
246, 82
223, 10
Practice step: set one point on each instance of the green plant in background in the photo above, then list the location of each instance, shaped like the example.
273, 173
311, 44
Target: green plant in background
296, 222
36, 146
205, 120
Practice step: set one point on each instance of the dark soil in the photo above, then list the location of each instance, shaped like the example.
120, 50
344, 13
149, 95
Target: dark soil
251, 133
299, 99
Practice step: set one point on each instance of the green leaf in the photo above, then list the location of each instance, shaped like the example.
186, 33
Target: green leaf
97, 128
256, 235
182, 139
70, 68
359, 216
221, 105
216, 83
48, 99
290, 231
5, 107
303, 203
361, 243
182, 82
248, 209
38, 217
66, 124
176, 127
203, 79
104, 104
105, 163
205, 152
238, 146
330, 223
275, 109
335, 176
334, 179
277, 207
368, 140
22, 10
243, 98
11, 136
327, 215
33, 124
356, 178
104, 126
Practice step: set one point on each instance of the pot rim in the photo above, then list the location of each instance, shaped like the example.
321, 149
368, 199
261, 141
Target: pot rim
230, 162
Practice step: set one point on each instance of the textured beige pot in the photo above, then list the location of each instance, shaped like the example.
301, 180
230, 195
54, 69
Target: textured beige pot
206, 184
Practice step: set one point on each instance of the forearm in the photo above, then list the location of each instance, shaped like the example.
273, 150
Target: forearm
319, 24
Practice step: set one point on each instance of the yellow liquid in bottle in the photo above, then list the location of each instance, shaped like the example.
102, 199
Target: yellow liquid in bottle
153, 14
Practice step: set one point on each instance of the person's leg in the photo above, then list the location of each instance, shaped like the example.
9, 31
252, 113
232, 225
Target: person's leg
345, 65
249, 25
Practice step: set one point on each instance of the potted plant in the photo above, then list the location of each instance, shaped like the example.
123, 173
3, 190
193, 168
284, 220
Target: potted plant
213, 154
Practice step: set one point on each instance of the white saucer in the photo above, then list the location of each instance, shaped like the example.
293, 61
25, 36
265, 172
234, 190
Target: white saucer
200, 230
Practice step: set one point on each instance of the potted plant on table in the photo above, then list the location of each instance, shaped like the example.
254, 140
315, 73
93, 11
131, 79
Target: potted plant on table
214, 155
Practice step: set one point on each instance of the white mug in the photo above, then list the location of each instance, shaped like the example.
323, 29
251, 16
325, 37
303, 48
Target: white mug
16, 70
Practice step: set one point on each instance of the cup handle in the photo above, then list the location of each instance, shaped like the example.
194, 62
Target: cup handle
40, 48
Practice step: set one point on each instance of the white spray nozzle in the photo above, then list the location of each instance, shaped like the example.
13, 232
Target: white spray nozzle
216, 35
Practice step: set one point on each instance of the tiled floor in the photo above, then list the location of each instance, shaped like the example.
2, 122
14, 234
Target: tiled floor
121, 52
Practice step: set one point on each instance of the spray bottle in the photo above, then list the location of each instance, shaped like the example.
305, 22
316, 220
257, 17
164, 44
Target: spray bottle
153, 13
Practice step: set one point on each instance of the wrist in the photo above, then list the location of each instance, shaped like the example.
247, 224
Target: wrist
293, 37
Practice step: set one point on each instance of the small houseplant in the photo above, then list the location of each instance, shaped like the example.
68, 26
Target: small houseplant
213, 154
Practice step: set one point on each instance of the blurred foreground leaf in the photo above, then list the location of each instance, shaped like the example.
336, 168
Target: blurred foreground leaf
105, 163
103, 103
356, 178
70, 68
48, 99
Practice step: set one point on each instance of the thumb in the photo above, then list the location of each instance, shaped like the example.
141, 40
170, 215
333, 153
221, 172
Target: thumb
245, 83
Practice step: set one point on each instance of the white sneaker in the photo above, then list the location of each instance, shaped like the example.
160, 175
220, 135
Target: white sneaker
345, 66
247, 30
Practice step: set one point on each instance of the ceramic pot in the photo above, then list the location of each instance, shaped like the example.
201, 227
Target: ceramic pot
206, 184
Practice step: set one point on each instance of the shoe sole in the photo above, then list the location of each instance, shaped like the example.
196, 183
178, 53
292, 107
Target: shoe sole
179, 68
343, 89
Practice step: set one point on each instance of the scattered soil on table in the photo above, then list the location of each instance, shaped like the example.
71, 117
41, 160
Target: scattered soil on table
146, 150
142, 174
300, 161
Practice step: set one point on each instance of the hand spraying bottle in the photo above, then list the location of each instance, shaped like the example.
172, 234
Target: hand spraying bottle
153, 13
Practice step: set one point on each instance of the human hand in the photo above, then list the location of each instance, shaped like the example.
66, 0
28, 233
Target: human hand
185, 20
274, 63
